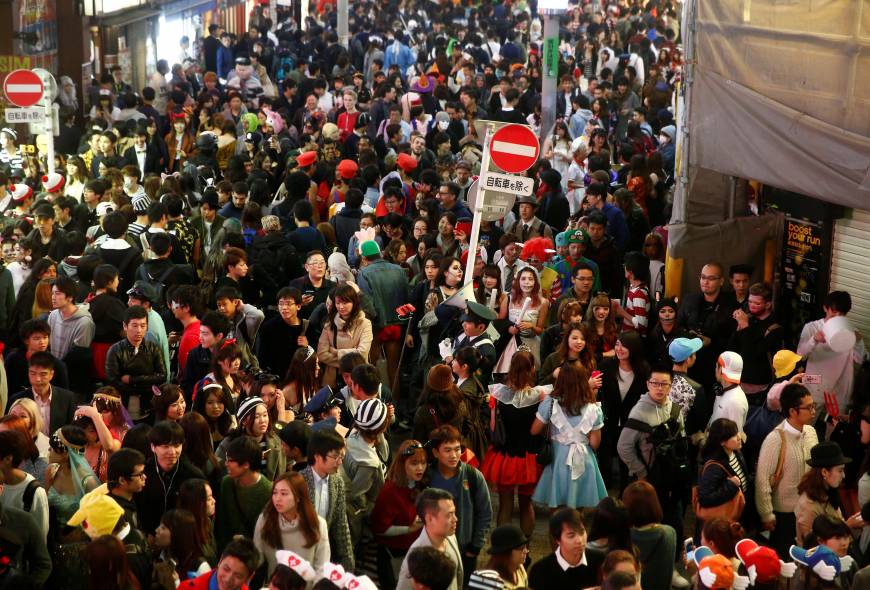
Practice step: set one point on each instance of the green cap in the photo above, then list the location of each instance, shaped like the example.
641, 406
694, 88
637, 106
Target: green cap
578, 236
369, 248
478, 313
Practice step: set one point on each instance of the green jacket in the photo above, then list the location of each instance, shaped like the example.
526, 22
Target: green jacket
387, 285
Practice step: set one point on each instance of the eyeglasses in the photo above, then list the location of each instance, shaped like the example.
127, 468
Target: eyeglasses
809, 408
140, 475
337, 456
316, 264
660, 384
710, 278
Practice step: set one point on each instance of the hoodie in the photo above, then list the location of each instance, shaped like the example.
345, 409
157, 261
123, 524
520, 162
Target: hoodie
246, 324
649, 412
577, 123
346, 223
76, 331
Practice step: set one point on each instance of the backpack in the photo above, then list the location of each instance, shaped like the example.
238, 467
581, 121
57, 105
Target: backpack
29, 493
669, 469
158, 284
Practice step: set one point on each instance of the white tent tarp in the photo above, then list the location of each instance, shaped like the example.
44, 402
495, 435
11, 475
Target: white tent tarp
780, 93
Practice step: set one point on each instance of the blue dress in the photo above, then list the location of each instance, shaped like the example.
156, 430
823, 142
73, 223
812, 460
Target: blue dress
573, 478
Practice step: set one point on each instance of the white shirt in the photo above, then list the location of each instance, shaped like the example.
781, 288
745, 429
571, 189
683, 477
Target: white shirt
140, 157
836, 368
45, 409
732, 405
321, 494
563, 563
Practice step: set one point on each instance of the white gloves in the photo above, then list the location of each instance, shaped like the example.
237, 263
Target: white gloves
445, 347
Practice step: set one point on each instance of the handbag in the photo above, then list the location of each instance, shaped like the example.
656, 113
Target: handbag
499, 432
545, 454
730, 510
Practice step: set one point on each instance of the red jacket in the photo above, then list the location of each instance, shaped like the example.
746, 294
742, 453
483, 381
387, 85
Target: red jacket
201, 582
394, 506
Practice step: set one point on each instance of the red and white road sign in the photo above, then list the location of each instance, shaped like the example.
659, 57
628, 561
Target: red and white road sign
23, 88
514, 148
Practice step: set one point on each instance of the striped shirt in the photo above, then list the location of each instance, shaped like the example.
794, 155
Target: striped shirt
637, 306
15, 161
735, 466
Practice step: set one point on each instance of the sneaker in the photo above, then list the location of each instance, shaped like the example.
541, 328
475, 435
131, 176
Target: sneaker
678, 581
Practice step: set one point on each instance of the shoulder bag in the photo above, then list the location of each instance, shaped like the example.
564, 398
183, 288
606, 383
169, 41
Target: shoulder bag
731, 510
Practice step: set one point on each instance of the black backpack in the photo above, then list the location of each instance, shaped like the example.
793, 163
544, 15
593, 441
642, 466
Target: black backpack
29, 493
669, 469
157, 283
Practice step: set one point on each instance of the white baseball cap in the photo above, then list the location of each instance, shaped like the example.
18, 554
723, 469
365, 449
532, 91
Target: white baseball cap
731, 365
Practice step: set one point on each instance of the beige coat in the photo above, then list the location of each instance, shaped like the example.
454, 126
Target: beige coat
332, 346
806, 512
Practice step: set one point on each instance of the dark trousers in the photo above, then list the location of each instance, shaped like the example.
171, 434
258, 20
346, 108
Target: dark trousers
469, 564
783, 535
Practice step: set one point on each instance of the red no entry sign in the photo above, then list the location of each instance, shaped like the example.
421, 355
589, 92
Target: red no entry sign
23, 88
514, 148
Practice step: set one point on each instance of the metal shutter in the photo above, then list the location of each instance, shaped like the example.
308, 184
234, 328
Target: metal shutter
850, 263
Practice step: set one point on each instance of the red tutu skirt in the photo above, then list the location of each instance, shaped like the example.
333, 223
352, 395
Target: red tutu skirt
504, 471
99, 352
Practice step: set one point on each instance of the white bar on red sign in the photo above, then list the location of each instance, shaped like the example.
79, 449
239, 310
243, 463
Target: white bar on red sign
24, 88
516, 149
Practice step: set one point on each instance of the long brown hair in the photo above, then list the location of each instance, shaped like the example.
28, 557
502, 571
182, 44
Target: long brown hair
193, 497
348, 293
198, 445
13, 422
517, 293
308, 520
813, 485
107, 561
405, 453
184, 546
572, 388
586, 358
611, 332
301, 372
521, 374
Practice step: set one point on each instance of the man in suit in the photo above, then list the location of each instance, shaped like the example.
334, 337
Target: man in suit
326, 451
141, 155
435, 507
572, 564
56, 404
528, 226
563, 99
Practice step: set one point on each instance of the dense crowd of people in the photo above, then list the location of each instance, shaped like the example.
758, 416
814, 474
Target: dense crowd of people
240, 349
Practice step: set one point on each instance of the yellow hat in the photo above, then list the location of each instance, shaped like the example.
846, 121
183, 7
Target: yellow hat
98, 512
784, 362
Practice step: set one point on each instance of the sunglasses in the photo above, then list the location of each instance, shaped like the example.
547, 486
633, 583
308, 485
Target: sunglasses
413, 448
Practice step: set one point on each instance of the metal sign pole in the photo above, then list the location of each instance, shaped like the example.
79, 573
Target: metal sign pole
478, 207
48, 127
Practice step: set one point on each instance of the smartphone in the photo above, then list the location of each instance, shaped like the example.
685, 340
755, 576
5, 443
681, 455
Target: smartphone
464, 227
812, 380
596, 374
689, 544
